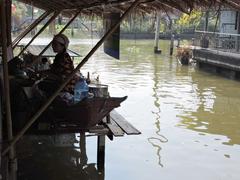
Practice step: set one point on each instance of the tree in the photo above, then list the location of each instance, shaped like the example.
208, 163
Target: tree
191, 20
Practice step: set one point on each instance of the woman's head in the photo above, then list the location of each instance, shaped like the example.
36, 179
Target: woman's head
60, 43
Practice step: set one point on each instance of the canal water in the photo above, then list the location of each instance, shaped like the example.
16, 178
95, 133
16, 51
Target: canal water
189, 119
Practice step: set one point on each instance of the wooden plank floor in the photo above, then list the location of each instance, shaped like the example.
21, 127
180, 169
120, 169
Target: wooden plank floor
114, 128
128, 128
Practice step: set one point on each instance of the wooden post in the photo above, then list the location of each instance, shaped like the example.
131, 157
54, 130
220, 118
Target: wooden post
1, 120
172, 36
156, 50
4, 15
83, 155
206, 20
171, 44
44, 107
178, 42
101, 152
72, 30
40, 31
52, 27
33, 30
238, 29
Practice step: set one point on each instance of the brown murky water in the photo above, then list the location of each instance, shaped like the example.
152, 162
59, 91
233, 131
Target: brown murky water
189, 119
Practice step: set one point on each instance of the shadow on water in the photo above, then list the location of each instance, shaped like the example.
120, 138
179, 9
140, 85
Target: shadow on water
59, 157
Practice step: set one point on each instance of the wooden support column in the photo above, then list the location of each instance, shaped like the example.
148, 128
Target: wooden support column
5, 12
44, 106
179, 42
101, 153
52, 27
238, 29
83, 155
172, 37
156, 50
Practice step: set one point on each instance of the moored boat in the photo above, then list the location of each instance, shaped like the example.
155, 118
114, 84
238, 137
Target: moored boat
85, 113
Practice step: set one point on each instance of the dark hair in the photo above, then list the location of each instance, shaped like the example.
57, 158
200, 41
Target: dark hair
14, 65
44, 60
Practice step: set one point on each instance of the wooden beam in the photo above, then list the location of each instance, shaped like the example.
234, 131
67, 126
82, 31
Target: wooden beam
29, 28
40, 31
231, 3
62, 30
174, 5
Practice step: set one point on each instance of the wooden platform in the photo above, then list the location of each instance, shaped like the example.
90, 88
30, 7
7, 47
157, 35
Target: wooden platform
223, 63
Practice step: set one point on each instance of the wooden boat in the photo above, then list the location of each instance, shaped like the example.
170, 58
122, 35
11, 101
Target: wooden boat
84, 114
87, 112
183, 55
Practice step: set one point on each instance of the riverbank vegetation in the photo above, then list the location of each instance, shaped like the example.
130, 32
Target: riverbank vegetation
92, 26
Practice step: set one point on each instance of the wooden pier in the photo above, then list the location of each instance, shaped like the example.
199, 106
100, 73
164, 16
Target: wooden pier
226, 64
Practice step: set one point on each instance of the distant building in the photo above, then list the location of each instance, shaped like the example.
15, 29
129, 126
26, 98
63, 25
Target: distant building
228, 22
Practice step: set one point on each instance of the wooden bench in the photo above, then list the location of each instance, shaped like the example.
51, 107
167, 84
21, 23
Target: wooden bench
118, 125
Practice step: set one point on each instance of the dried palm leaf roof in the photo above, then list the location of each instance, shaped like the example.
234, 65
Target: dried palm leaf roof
100, 6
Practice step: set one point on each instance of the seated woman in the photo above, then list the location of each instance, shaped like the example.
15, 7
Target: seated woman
60, 69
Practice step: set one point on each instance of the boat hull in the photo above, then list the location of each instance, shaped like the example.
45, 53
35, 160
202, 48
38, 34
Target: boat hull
86, 113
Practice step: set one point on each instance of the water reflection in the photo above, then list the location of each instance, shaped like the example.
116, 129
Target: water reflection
157, 140
59, 157
217, 108
181, 112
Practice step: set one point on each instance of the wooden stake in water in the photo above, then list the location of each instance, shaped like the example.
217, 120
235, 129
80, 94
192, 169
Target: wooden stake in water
156, 50
171, 44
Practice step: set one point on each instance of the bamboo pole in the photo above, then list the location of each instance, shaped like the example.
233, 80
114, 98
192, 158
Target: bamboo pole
8, 22
33, 25
40, 31
40, 111
63, 29
6, 85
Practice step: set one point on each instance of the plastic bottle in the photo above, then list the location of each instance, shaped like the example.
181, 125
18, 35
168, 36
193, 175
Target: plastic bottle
88, 80
80, 90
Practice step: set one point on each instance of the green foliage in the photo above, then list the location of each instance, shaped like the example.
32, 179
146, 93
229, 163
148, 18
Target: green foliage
190, 20
136, 23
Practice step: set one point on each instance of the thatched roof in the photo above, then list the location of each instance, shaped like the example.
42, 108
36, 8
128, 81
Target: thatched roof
147, 6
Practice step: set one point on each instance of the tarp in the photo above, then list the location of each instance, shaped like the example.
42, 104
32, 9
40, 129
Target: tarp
111, 45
